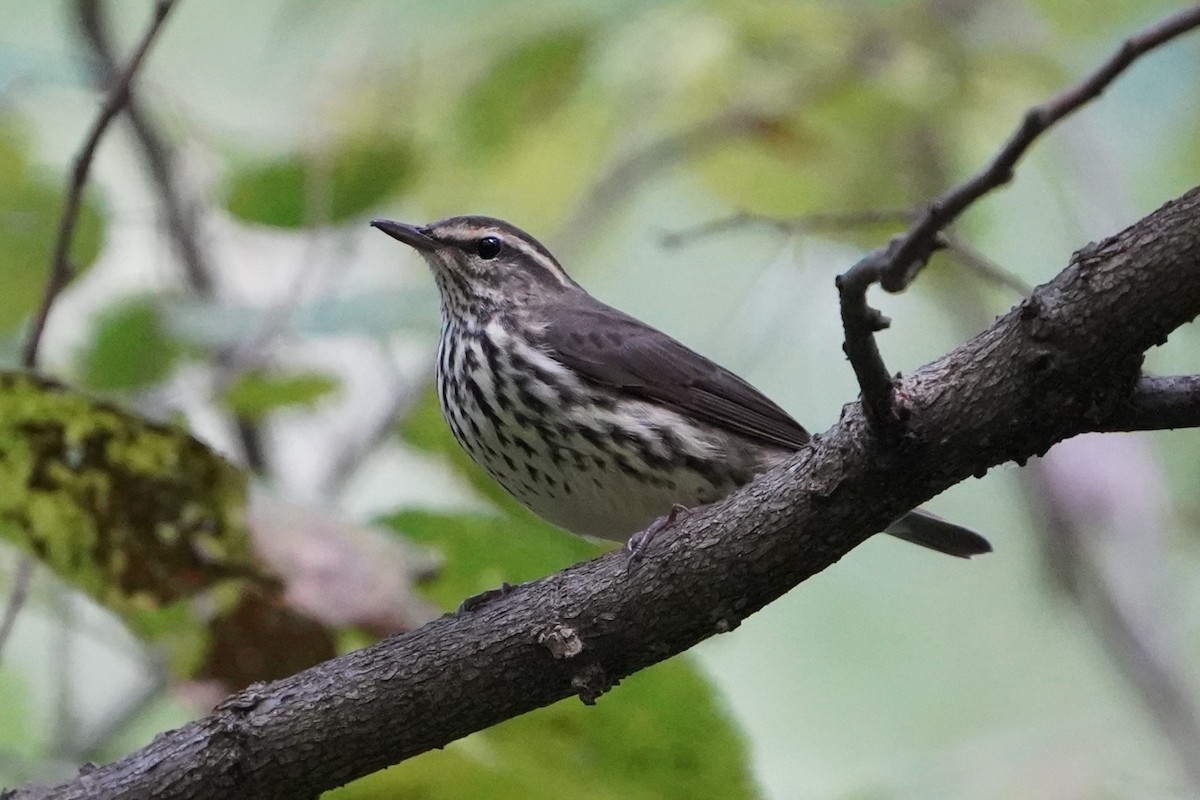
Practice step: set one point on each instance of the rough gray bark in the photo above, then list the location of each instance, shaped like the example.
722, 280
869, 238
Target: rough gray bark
1064, 361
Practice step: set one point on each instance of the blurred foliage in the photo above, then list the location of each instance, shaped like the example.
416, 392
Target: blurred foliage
254, 394
1083, 19
330, 186
527, 85
141, 516
136, 513
129, 349
15, 713
30, 207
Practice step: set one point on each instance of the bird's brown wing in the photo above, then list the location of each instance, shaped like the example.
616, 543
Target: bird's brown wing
612, 349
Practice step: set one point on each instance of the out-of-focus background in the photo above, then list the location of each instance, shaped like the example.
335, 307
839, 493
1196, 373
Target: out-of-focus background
707, 166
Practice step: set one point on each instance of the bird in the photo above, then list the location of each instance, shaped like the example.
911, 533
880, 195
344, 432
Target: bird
595, 421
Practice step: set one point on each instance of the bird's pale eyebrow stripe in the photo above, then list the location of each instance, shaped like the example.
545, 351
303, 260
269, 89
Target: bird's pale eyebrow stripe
539, 255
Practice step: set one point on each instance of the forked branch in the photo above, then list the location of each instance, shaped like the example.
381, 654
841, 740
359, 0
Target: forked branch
895, 265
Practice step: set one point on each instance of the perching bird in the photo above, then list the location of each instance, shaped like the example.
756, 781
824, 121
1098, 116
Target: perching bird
594, 420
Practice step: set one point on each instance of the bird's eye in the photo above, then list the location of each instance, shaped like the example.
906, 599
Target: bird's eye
488, 247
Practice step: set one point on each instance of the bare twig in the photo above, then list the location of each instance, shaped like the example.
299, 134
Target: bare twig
61, 271
972, 259
178, 211
805, 223
895, 265
965, 254
861, 322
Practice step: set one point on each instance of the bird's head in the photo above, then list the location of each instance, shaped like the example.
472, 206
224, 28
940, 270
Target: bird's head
483, 263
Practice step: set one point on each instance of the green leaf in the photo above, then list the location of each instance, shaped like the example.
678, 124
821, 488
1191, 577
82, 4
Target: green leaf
270, 193
523, 88
253, 395
1074, 20
330, 186
30, 208
814, 160
364, 173
131, 348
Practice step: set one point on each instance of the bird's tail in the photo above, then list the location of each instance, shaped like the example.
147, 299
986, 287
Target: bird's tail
929, 530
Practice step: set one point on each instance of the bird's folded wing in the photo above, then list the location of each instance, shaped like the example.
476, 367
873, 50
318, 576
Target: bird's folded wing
612, 349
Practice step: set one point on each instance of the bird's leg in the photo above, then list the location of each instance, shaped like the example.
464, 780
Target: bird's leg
477, 601
640, 541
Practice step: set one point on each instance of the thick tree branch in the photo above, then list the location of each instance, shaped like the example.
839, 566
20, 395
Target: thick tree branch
1064, 361
895, 265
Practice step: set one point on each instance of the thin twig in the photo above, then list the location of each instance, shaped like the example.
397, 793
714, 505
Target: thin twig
896, 264
178, 211
60, 268
805, 223
965, 254
861, 322
969, 257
